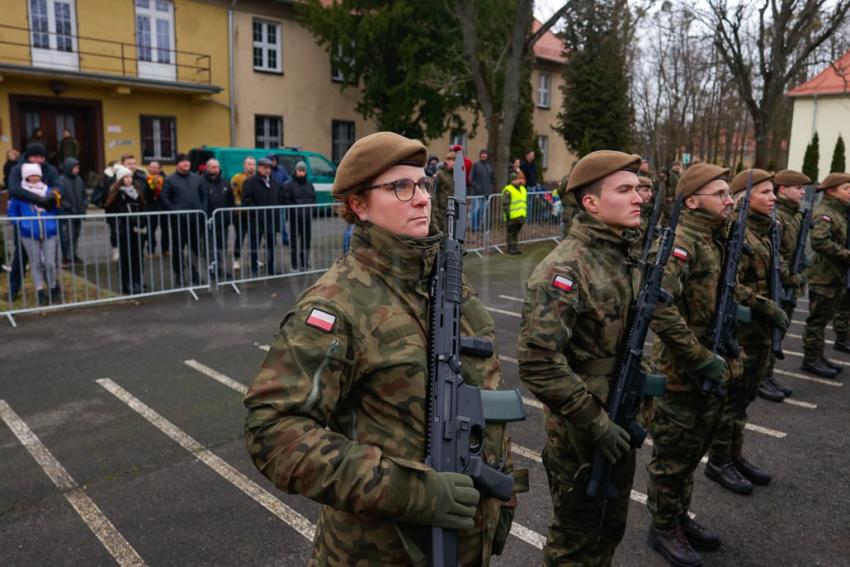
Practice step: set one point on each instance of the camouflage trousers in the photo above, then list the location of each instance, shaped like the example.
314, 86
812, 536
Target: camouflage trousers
729, 441
512, 236
824, 304
682, 430
584, 532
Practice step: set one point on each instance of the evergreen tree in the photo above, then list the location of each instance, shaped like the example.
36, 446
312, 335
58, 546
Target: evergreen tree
584, 148
596, 105
811, 158
838, 162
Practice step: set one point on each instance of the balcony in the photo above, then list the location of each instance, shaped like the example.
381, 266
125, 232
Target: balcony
41, 53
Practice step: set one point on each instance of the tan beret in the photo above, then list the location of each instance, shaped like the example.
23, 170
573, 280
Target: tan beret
644, 181
596, 165
740, 182
790, 178
698, 176
374, 154
834, 180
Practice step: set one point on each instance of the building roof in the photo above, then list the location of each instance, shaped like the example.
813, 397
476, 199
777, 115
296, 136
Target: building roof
834, 80
548, 47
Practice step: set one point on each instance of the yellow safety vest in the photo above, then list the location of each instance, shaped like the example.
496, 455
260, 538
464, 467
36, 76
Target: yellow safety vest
519, 201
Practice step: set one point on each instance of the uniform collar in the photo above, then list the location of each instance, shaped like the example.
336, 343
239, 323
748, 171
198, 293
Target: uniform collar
834, 204
401, 257
591, 232
787, 206
759, 223
701, 221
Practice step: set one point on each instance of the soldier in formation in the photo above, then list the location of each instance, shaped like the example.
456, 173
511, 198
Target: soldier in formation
570, 339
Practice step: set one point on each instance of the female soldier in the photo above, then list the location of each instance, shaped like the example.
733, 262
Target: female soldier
338, 410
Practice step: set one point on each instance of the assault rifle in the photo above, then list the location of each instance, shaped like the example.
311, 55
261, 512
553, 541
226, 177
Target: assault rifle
458, 412
632, 382
721, 333
652, 227
775, 280
799, 262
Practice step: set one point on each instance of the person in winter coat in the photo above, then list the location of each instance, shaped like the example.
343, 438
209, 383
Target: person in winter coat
182, 192
218, 196
12, 157
299, 191
154, 182
262, 190
68, 147
280, 175
74, 202
38, 234
481, 187
125, 197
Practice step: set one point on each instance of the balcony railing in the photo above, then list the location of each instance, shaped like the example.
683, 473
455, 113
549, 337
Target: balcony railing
42, 49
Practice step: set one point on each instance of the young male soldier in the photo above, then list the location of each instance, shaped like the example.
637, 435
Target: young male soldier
790, 191
827, 277
726, 464
574, 320
686, 419
645, 192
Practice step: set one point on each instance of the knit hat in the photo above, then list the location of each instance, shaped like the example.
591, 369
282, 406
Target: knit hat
301, 165
739, 183
698, 176
29, 169
599, 164
121, 172
374, 154
36, 149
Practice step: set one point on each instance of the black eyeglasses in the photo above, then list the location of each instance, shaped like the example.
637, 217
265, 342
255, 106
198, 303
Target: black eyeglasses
405, 189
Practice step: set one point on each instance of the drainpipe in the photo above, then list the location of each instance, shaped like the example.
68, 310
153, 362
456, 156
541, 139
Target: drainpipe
232, 89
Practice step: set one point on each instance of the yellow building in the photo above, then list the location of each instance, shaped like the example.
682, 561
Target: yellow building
141, 77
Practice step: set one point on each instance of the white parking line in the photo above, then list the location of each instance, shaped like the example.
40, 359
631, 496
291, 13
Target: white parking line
519, 531
823, 381
289, 516
800, 355
512, 298
796, 336
114, 542
799, 403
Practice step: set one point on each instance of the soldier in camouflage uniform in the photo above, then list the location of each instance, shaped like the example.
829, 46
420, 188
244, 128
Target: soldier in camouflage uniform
686, 419
569, 206
646, 195
672, 182
445, 187
727, 465
827, 276
790, 191
573, 324
337, 412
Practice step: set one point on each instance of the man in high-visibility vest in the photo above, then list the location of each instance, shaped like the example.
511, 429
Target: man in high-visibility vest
515, 205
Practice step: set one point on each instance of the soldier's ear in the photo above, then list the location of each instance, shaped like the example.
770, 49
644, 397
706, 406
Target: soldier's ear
691, 202
590, 203
357, 203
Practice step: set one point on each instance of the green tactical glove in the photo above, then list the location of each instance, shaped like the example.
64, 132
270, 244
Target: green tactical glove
778, 317
610, 438
714, 369
441, 499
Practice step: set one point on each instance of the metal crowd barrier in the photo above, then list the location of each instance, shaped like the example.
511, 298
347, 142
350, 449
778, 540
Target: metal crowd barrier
101, 258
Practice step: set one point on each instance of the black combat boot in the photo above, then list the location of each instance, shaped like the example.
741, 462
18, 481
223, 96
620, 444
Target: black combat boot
727, 476
756, 475
781, 387
768, 391
699, 536
834, 365
674, 547
842, 345
818, 368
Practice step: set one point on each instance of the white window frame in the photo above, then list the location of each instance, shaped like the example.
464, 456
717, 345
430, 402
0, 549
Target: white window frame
337, 142
544, 90
265, 137
266, 46
52, 56
336, 73
156, 127
156, 68
543, 144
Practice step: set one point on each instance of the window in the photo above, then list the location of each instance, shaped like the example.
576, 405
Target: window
321, 167
543, 144
267, 45
543, 90
342, 137
336, 72
159, 138
155, 39
268, 131
53, 40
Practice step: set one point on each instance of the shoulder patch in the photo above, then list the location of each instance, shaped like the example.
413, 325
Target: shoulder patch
680, 253
321, 320
825, 218
563, 283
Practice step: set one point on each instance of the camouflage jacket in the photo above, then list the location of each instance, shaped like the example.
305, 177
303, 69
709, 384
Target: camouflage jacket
691, 277
829, 241
574, 319
789, 215
342, 394
754, 281
569, 204
440, 200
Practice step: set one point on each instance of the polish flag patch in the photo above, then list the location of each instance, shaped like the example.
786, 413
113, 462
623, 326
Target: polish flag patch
562, 283
680, 253
825, 218
322, 320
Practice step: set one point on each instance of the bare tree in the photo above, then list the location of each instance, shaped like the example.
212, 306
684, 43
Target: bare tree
764, 51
